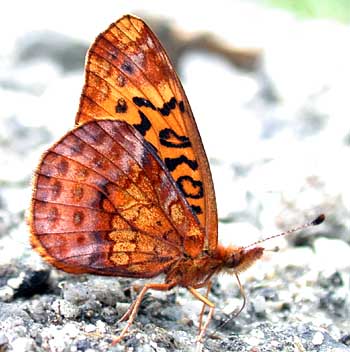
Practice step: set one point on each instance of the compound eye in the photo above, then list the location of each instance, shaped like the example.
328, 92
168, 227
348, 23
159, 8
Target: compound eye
233, 260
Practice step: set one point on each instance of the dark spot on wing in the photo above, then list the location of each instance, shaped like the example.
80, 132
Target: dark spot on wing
121, 106
172, 163
144, 125
170, 138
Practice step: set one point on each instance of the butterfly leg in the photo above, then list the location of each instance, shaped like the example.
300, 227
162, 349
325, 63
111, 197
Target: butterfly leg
236, 314
241, 289
203, 307
127, 313
132, 311
211, 306
125, 316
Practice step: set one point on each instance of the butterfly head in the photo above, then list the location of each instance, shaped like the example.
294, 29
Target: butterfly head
237, 259
240, 259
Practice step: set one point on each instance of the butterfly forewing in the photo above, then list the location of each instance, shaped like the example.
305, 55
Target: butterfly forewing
104, 203
129, 77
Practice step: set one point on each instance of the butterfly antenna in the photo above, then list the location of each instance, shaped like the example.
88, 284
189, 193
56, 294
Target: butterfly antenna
319, 220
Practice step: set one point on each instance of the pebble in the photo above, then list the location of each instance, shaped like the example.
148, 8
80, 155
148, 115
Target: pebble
90, 328
260, 305
66, 309
22, 344
3, 339
318, 338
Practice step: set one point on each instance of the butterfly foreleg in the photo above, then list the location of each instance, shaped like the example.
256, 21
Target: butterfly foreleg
208, 303
134, 307
208, 285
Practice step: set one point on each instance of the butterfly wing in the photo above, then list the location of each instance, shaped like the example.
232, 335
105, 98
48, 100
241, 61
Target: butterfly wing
104, 203
130, 77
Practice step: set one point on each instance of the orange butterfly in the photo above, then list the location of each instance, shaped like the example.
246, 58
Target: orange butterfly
129, 192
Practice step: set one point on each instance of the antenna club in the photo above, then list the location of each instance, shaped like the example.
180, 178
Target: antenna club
318, 220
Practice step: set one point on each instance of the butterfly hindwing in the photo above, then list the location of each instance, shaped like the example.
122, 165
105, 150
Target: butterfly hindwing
103, 203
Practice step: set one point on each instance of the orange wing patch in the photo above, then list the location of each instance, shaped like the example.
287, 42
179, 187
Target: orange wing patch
103, 203
129, 77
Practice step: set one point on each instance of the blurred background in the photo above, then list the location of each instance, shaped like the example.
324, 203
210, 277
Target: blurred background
268, 82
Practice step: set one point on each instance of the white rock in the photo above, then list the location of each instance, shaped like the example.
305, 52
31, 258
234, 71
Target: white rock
22, 344
318, 338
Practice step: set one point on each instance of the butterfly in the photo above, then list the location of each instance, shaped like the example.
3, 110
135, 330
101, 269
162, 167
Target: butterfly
128, 192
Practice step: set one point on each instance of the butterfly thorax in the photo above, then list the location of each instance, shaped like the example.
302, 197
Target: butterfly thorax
193, 271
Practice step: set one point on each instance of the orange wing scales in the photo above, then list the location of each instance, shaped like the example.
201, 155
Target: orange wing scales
104, 203
129, 77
